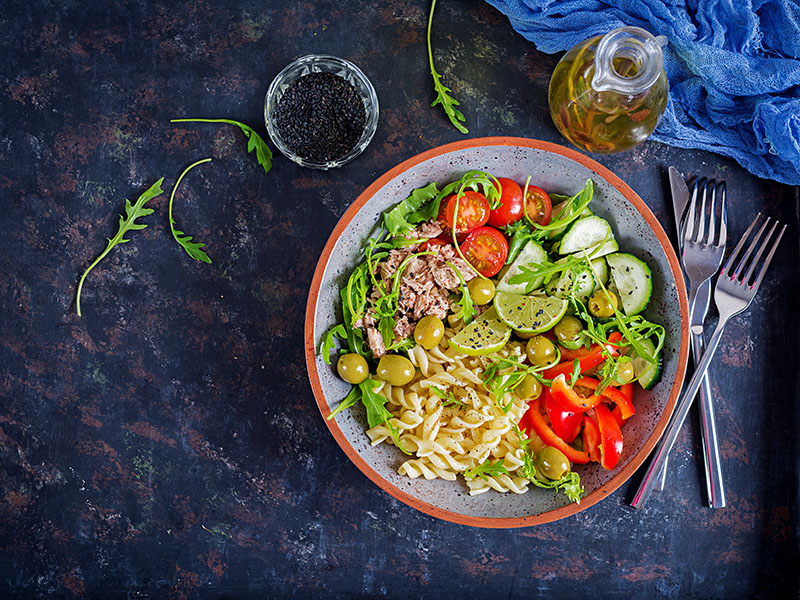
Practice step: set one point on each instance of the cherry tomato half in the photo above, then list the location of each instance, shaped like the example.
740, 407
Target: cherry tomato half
486, 249
510, 209
538, 206
473, 212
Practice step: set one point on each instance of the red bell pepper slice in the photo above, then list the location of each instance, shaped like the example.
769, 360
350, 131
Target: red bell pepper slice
591, 436
617, 414
625, 403
568, 398
610, 437
547, 435
622, 397
566, 424
587, 362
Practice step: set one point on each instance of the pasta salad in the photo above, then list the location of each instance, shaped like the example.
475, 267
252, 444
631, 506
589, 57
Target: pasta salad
493, 332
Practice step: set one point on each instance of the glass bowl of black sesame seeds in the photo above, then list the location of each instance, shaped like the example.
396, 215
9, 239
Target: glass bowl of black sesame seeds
321, 111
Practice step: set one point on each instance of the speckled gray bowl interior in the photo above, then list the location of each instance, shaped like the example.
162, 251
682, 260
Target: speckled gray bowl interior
556, 174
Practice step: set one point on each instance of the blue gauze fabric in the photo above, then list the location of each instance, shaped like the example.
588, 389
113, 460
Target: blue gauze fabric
733, 68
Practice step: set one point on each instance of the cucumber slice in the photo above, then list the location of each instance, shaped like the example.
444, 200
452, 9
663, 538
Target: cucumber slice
530, 255
633, 281
557, 210
600, 268
647, 373
560, 286
586, 233
582, 283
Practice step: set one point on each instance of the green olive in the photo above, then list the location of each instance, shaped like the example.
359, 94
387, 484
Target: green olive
352, 368
429, 332
395, 369
600, 305
524, 335
529, 387
481, 290
540, 351
552, 463
568, 329
624, 372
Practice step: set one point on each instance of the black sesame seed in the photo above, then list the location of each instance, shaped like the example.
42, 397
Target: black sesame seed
320, 117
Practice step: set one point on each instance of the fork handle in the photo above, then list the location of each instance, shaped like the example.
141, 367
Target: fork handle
715, 487
664, 446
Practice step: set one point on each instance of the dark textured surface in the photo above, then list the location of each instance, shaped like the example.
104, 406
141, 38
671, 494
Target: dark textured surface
167, 443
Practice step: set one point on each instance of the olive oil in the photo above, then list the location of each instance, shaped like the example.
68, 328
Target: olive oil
608, 93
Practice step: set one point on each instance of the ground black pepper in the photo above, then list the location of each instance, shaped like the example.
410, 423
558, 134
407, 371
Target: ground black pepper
320, 117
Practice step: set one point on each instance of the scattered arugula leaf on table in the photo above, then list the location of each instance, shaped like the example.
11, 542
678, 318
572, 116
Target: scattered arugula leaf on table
447, 102
193, 249
127, 224
254, 141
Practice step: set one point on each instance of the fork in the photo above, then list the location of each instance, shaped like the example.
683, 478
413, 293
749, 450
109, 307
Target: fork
699, 259
733, 294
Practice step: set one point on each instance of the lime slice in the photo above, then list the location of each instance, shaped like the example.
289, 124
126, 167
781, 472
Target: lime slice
529, 314
484, 335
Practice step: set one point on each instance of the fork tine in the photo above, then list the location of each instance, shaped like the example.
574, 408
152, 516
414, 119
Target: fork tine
732, 257
757, 257
712, 215
688, 229
701, 227
743, 263
723, 227
767, 260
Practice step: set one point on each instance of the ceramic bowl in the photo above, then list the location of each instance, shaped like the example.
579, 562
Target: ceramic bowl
556, 169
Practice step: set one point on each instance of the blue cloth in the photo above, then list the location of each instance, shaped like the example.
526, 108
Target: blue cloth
733, 68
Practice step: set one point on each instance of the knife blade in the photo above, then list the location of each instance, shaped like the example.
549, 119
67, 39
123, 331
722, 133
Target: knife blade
680, 198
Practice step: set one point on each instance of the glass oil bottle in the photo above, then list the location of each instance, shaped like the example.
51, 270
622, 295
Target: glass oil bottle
608, 93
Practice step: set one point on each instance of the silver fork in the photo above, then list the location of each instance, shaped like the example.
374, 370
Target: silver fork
698, 259
733, 294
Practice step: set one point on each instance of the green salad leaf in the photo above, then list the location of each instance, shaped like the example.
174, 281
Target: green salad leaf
443, 98
486, 469
193, 249
127, 224
403, 216
254, 141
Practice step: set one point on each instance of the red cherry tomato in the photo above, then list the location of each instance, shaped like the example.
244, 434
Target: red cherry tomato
510, 209
486, 249
538, 206
473, 212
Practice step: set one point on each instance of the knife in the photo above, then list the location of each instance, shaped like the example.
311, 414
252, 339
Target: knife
715, 488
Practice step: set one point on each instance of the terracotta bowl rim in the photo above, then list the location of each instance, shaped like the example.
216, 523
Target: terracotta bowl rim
498, 522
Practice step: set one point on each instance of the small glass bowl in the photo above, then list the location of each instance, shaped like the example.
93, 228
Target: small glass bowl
316, 63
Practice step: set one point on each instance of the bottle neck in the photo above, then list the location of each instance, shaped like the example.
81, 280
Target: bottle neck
628, 60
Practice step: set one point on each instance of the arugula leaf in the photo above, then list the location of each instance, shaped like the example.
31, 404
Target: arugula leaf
576, 372
126, 224
352, 397
193, 249
375, 403
467, 312
327, 343
448, 397
401, 218
254, 141
448, 102
519, 234
487, 469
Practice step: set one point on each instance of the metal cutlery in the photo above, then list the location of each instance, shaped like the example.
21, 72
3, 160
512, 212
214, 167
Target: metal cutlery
715, 490
736, 287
